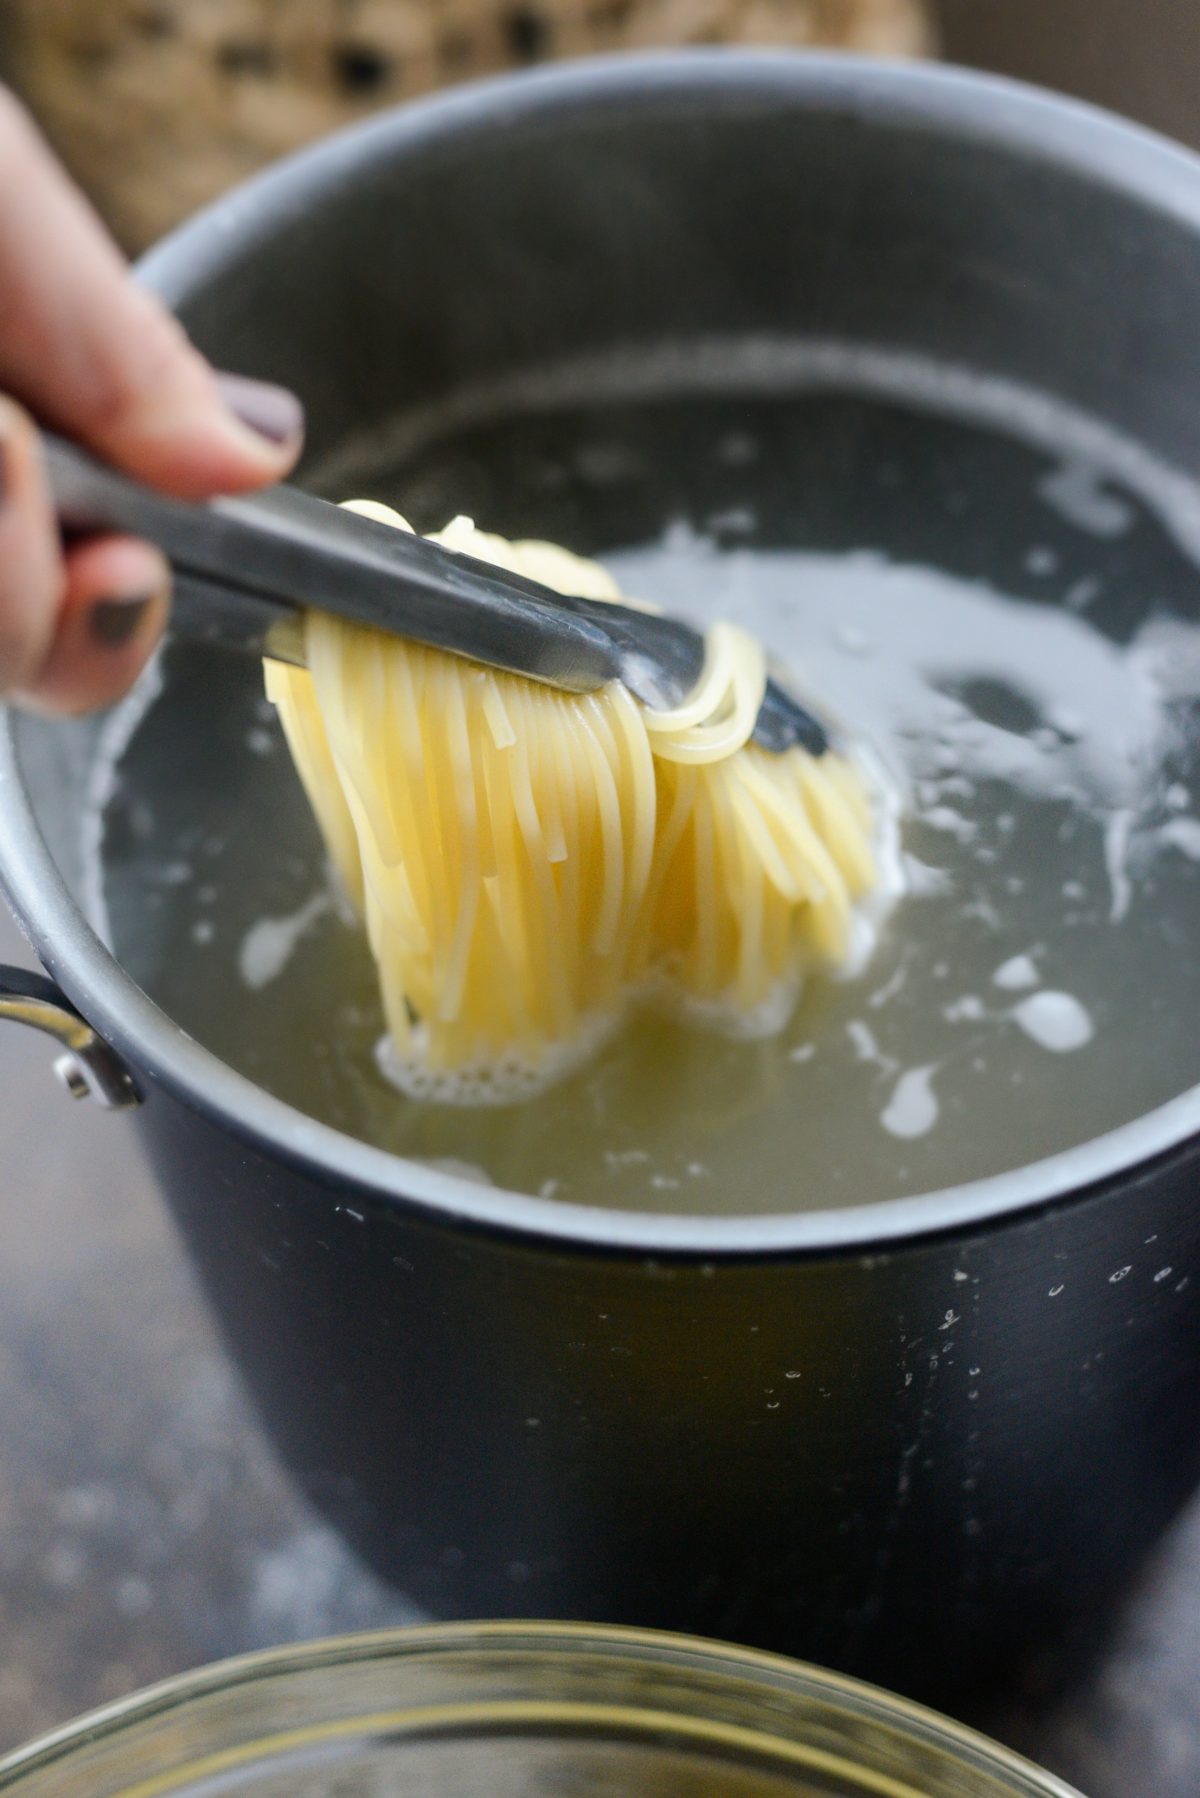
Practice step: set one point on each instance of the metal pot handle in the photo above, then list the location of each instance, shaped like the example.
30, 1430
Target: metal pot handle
88, 1068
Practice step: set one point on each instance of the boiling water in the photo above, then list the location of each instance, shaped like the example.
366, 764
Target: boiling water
1017, 635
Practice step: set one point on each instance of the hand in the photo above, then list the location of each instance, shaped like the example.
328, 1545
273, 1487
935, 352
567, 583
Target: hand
99, 359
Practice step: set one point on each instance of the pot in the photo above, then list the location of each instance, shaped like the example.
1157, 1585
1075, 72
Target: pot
514, 1406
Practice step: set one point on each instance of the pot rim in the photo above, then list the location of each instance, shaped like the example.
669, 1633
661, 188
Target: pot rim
957, 103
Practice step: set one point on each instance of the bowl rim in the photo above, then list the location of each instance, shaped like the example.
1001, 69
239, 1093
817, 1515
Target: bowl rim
503, 1639
955, 102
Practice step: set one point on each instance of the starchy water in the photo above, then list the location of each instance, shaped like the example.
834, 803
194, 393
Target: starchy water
1010, 626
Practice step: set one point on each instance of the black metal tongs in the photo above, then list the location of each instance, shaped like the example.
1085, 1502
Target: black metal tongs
247, 568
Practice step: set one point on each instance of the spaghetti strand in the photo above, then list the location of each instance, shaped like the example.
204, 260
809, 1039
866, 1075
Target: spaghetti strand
528, 861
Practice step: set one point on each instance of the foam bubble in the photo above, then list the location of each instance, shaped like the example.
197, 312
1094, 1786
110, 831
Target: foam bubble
726, 1017
1017, 972
1183, 834
913, 1108
507, 1080
269, 945
1055, 1021
865, 1044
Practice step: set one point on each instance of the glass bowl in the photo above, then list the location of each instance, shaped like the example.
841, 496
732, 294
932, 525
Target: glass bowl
517, 1710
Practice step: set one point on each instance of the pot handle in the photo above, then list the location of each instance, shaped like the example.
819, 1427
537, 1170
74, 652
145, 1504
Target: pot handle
87, 1067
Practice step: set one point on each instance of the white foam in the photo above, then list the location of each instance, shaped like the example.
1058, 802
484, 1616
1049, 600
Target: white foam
1166, 651
895, 983
269, 945
887, 793
1118, 834
1055, 1021
923, 881
1017, 972
726, 1017
1183, 834
937, 640
937, 637
944, 817
508, 1080
865, 1044
913, 1108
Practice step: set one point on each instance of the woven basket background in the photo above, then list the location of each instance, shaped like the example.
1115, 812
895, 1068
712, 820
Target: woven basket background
157, 105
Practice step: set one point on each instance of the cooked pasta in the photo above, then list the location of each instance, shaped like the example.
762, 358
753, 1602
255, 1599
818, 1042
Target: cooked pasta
528, 862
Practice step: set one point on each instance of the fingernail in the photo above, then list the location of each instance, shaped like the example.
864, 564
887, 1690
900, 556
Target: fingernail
269, 411
116, 622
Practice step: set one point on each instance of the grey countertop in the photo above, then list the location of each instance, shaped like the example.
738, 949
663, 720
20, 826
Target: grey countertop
145, 1527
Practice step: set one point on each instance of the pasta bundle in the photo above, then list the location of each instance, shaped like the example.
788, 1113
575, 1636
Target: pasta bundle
528, 861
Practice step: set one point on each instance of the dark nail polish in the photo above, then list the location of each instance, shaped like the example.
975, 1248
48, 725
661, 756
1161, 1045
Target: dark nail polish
271, 412
115, 622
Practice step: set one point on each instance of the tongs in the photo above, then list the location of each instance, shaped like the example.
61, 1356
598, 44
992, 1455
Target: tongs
247, 568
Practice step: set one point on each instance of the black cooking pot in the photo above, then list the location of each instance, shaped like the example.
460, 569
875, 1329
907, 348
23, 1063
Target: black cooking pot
515, 1406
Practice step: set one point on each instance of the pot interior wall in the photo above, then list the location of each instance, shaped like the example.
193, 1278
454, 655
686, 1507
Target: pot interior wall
511, 235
